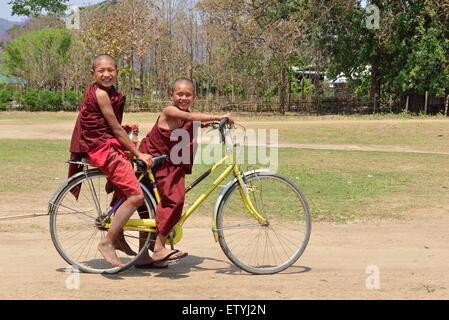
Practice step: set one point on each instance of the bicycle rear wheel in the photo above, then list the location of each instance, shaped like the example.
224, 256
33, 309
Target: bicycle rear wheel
264, 248
76, 225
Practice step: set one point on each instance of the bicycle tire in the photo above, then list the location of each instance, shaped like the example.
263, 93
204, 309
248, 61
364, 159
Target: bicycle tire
264, 248
75, 229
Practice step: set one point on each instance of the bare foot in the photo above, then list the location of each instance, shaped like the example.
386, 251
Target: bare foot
121, 244
108, 251
146, 259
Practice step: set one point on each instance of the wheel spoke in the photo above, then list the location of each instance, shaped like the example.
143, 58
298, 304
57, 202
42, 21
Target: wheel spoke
75, 233
260, 248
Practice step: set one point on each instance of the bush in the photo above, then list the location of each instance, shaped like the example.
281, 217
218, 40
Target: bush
5, 95
72, 100
49, 100
70, 96
45, 100
31, 99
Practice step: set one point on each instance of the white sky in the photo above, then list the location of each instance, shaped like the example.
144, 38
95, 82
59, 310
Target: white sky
5, 8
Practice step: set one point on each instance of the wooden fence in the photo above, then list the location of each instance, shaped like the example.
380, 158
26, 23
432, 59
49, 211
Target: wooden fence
308, 107
318, 107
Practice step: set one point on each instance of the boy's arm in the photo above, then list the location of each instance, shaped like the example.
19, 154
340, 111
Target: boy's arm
117, 130
175, 113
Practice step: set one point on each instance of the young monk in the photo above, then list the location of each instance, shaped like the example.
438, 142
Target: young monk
99, 136
170, 176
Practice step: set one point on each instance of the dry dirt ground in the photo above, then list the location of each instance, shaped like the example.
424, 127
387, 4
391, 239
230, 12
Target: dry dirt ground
405, 259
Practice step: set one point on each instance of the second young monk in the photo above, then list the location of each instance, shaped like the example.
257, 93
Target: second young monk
169, 175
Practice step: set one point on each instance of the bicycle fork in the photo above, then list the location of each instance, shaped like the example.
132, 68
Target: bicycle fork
243, 189
245, 197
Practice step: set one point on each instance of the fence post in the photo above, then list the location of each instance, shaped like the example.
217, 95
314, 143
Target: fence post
446, 106
374, 105
406, 104
425, 102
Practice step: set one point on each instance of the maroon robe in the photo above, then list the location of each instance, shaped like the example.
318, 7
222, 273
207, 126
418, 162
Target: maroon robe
169, 177
91, 129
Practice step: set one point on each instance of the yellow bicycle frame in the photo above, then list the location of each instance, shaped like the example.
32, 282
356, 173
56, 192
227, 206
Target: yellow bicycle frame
149, 225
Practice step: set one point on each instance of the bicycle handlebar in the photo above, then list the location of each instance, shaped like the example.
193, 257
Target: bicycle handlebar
220, 125
157, 161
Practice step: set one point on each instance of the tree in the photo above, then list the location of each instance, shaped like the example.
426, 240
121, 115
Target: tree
351, 46
422, 50
34, 24
34, 8
127, 39
406, 54
265, 37
38, 57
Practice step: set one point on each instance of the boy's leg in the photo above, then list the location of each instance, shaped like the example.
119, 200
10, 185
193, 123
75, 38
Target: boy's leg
124, 212
171, 186
161, 252
119, 242
121, 174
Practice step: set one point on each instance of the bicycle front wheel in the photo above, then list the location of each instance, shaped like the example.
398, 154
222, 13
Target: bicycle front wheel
264, 248
77, 225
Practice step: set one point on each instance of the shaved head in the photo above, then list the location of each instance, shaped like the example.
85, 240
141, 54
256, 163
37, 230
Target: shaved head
183, 81
103, 57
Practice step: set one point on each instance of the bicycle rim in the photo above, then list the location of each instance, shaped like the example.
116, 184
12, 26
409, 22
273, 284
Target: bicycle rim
264, 248
76, 229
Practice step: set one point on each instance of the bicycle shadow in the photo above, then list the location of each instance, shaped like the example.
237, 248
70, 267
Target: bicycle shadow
192, 263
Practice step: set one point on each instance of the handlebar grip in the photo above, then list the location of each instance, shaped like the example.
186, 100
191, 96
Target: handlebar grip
224, 121
157, 161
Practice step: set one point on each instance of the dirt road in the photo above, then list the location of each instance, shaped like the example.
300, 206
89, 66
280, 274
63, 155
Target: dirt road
383, 260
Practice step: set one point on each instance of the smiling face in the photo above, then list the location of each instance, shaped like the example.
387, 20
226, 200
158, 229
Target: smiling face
183, 95
105, 73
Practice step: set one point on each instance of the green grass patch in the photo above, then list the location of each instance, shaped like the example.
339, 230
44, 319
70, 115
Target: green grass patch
348, 185
351, 185
423, 135
32, 165
24, 118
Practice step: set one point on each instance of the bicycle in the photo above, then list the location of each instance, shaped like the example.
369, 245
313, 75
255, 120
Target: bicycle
260, 219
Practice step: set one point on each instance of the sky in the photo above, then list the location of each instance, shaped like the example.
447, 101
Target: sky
5, 8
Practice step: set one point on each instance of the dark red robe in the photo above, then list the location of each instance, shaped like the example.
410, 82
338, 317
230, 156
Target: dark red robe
170, 177
91, 130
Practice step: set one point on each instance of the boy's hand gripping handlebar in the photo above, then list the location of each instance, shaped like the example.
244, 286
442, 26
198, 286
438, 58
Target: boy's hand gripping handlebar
157, 161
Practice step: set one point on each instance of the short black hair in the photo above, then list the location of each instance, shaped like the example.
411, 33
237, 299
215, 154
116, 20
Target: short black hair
182, 80
103, 56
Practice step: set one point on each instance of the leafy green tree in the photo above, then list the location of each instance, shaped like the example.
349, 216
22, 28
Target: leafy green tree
422, 50
34, 8
408, 53
38, 57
